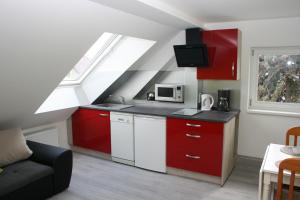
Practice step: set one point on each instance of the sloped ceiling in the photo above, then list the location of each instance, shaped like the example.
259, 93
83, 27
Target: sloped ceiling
41, 40
157, 11
211, 11
187, 13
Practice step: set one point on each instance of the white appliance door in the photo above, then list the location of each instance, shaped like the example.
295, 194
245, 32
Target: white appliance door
165, 92
122, 139
150, 142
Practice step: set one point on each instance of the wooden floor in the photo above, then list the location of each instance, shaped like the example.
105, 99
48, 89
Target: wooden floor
97, 179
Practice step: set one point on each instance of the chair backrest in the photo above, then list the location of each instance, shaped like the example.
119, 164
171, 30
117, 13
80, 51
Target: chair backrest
292, 132
292, 165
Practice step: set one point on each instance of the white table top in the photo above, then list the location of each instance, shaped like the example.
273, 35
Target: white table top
269, 169
274, 155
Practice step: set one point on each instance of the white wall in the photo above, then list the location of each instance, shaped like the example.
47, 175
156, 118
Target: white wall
185, 76
162, 58
212, 87
256, 131
149, 65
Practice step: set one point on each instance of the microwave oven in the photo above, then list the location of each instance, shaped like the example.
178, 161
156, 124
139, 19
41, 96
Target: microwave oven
169, 92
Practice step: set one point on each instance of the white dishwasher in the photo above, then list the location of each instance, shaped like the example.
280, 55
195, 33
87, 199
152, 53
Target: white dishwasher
150, 142
122, 137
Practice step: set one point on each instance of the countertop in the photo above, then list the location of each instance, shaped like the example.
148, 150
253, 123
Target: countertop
213, 116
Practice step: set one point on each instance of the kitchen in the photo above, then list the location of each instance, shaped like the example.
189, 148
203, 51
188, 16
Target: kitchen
148, 133
99, 80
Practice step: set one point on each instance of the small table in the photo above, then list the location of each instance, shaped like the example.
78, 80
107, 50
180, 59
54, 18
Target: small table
269, 171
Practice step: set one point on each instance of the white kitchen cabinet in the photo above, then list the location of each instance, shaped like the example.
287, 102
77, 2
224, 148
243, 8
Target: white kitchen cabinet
122, 139
150, 142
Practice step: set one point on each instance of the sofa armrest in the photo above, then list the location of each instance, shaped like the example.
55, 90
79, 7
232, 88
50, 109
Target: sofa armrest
60, 159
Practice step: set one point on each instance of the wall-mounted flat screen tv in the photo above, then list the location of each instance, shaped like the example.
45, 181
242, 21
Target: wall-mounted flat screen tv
191, 55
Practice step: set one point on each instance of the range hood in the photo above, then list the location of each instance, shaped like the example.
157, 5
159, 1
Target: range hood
194, 53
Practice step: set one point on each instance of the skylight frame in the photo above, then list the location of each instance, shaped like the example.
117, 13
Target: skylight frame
101, 53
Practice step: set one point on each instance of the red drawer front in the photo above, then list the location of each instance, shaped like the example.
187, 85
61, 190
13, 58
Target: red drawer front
194, 125
192, 148
91, 129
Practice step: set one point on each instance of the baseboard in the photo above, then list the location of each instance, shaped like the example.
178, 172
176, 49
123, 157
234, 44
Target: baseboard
194, 175
249, 158
123, 161
88, 152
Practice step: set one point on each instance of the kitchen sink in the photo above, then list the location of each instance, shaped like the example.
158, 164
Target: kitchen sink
114, 106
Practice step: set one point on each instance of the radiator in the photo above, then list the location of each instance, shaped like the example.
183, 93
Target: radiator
45, 136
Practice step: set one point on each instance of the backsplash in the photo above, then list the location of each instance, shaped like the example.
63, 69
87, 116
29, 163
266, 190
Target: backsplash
212, 87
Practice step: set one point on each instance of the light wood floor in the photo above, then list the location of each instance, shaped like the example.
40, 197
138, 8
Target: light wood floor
97, 179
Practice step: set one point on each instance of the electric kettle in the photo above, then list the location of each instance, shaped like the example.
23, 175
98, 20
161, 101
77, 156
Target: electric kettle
207, 101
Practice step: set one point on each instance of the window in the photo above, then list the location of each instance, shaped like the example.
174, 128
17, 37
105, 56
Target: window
90, 59
275, 80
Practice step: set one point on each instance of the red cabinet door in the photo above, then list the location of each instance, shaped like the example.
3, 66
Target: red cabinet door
195, 146
223, 55
91, 130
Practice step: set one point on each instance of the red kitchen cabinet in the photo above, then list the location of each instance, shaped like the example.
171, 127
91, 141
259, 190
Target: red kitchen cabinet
223, 46
195, 145
91, 129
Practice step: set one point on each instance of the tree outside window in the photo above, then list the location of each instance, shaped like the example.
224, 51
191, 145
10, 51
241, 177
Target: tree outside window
278, 78
275, 79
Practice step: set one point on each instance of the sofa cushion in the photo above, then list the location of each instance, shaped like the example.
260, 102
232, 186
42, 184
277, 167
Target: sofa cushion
20, 174
13, 147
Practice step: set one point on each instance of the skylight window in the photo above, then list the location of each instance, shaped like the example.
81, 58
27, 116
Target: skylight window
109, 58
90, 59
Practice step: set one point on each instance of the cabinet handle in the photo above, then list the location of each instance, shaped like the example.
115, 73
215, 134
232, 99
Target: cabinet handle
193, 125
121, 120
103, 115
192, 157
193, 136
232, 69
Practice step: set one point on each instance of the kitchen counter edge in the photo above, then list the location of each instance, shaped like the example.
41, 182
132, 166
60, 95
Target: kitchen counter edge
211, 116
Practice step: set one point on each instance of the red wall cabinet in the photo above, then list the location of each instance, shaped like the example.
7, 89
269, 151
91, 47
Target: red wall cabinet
195, 145
91, 130
223, 46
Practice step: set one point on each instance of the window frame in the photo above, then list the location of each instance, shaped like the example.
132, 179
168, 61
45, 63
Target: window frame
263, 107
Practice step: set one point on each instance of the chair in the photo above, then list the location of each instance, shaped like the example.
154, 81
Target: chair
292, 132
292, 165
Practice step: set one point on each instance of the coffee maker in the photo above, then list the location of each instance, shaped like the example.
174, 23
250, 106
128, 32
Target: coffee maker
223, 100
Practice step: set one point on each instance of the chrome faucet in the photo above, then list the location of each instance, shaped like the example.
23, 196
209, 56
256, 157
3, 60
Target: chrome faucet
121, 98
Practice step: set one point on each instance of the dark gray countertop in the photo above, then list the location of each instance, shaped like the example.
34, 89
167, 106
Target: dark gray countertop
214, 116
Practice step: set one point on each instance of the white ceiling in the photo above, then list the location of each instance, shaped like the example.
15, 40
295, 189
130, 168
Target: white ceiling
233, 10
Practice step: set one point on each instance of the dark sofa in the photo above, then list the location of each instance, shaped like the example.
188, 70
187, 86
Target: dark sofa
47, 172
